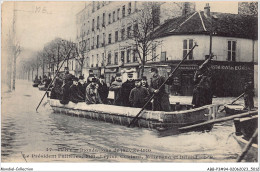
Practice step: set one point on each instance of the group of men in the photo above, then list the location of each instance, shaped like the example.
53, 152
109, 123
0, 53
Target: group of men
131, 93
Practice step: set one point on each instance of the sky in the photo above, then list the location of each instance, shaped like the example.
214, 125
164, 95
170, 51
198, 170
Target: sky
40, 22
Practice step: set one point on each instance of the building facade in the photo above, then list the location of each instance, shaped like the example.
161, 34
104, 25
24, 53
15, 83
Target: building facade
104, 28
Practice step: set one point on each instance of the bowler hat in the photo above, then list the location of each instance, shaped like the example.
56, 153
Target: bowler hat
138, 79
81, 77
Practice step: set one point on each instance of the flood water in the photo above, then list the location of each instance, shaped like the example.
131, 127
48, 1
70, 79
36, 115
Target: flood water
45, 136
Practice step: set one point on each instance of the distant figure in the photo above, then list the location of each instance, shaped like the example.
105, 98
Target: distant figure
103, 89
161, 99
249, 95
126, 89
56, 92
47, 82
82, 85
92, 96
67, 76
138, 95
36, 80
202, 92
116, 87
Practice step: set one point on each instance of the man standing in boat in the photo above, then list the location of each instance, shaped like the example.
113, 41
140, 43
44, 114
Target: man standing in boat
56, 92
82, 85
249, 95
103, 89
116, 87
92, 96
126, 89
161, 99
138, 95
202, 92
67, 82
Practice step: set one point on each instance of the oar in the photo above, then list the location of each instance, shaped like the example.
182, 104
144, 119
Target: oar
234, 100
53, 79
135, 118
249, 144
220, 120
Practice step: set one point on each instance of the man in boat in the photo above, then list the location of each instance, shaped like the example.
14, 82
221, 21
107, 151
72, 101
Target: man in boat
116, 87
138, 95
82, 85
126, 89
56, 92
67, 76
67, 82
103, 89
202, 92
92, 96
249, 95
74, 91
89, 79
161, 99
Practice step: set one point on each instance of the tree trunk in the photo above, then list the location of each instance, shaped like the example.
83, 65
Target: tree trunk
14, 71
32, 74
9, 75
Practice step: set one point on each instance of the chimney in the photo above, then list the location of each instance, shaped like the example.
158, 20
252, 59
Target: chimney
207, 10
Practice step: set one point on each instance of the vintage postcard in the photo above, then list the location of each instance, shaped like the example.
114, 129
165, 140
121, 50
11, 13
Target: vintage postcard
129, 81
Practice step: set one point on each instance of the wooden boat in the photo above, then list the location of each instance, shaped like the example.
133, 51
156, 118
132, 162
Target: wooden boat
35, 84
245, 128
235, 109
148, 119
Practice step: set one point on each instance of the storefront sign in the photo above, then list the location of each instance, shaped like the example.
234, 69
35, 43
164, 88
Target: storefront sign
111, 70
228, 67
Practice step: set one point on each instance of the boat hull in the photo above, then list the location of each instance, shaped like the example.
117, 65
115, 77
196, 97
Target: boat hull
252, 154
124, 115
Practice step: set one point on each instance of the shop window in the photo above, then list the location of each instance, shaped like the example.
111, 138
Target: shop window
187, 45
232, 46
116, 58
116, 36
163, 56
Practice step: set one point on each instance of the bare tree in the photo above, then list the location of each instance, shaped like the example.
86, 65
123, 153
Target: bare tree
81, 53
144, 22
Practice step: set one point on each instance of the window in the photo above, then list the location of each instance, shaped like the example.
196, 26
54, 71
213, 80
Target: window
98, 22
114, 16
135, 30
123, 11
109, 18
116, 58
88, 43
135, 55
93, 43
122, 34
92, 61
118, 13
109, 38
104, 39
122, 57
104, 20
116, 36
232, 46
187, 45
154, 53
128, 60
163, 56
103, 58
109, 58
128, 31
129, 8
98, 5
97, 60
97, 41
93, 24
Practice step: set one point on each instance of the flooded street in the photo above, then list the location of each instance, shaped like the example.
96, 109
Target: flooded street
28, 136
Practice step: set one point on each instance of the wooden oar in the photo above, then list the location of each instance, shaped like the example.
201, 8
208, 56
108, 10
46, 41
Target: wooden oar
53, 79
135, 118
234, 100
247, 147
220, 120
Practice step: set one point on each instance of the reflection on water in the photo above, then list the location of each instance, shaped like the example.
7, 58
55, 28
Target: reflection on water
49, 137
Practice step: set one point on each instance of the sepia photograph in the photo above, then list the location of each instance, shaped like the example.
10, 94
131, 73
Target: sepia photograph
140, 82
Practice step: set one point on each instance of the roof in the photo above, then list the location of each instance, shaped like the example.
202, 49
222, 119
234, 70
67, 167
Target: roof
225, 24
